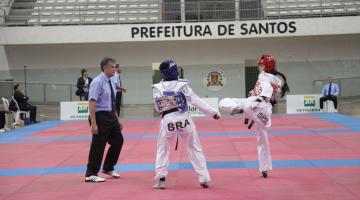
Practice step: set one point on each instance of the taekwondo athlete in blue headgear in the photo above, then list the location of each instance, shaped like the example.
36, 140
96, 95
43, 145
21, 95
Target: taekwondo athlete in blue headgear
169, 70
170, 96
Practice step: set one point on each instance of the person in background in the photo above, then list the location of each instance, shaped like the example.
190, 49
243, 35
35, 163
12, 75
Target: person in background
119, 88
83, 84
22, 101
330, 91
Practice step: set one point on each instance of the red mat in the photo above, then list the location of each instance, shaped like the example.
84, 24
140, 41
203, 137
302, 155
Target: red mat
294, 139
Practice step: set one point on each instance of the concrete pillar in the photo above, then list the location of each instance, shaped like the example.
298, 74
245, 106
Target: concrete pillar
237, 10
4, 64
182, 10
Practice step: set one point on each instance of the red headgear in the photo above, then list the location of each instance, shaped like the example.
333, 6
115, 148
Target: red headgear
268, 61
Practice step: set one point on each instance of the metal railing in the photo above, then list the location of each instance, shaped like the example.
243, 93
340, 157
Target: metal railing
47, 93
67, 12
348, 86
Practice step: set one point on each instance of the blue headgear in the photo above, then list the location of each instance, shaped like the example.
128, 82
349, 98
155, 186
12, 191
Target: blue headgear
169, 70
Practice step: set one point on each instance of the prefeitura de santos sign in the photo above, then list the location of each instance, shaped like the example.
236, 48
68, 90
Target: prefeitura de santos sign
180, 31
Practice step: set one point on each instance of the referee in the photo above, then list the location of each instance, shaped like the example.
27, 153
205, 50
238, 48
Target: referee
105, 124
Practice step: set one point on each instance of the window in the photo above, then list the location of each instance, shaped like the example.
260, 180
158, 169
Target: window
205, 10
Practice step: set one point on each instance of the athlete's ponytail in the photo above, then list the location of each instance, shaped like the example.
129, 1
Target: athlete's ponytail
285, 88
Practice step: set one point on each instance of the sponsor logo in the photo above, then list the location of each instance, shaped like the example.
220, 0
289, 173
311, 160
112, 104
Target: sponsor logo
83, 107
309, 101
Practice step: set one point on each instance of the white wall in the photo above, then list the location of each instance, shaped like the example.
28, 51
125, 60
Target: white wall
204, 52
235, 80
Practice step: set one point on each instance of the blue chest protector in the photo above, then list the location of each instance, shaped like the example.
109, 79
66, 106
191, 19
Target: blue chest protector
180, 99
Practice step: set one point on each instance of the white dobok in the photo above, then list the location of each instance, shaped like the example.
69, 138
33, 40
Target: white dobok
267, 87
173, 96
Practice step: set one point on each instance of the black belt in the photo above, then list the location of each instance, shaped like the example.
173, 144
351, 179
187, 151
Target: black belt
169, 111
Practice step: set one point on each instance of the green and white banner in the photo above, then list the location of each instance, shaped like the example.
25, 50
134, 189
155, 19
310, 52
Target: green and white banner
304, 103
74, 110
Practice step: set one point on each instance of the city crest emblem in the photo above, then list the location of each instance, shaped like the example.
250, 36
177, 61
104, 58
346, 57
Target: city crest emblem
214, 79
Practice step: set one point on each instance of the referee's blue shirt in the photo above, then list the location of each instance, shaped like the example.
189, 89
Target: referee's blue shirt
334, 89
100, 91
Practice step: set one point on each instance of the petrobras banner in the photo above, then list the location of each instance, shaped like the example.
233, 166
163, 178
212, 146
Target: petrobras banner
306, 103
195, 112
74, 110
180, 31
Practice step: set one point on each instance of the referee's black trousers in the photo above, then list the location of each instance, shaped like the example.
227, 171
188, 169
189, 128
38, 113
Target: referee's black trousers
108, 132
118, 100
328, 97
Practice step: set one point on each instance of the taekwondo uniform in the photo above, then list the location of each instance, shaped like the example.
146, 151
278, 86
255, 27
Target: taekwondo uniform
171, 99
258, 108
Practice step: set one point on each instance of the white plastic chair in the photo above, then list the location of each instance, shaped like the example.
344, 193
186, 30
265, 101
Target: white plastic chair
329, 106
9, 118
18, 120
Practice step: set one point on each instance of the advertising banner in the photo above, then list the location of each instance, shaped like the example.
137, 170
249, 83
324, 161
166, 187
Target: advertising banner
304, 103
195, 112
74, 110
